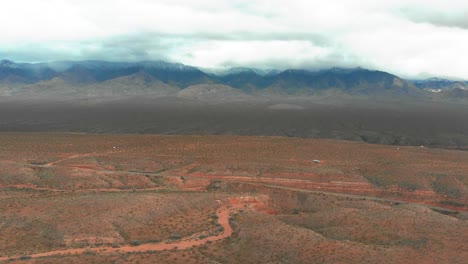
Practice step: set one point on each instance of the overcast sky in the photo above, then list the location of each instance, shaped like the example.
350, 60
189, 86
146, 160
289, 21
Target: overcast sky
411, 38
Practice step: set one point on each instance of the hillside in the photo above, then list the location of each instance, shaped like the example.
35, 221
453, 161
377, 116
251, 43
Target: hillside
187, 199
140, 83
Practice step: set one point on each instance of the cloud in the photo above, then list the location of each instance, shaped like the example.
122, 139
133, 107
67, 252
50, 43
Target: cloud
406, 37
457, 19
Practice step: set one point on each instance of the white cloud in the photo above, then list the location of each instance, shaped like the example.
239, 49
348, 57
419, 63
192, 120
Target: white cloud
255, 53
406, 37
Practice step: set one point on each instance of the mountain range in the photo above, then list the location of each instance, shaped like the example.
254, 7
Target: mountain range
159, 78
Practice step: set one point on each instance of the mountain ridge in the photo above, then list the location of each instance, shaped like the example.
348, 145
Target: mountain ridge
175, 76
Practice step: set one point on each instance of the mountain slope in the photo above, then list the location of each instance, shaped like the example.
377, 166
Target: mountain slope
140, 83
86, 72
175, 74
354, 81
247, 81
11, 72
56, 86
300, 82
158, 77
436, 84
454, 93
211, 91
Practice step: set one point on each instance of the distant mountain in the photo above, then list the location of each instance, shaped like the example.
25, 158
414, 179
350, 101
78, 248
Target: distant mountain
358, 81
172, 73
248, 81
85, 72
102, 78
78, 75
237, 70
443, 88
437, 85
293, 81
55, 86
7, 64
11, 72
140, 83
454, 93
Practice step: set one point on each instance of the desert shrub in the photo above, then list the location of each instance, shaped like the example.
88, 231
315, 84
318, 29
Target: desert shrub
45, 174
25, 257
214, 216
450, 191
175, 236
301, 197
214, 185
135, 243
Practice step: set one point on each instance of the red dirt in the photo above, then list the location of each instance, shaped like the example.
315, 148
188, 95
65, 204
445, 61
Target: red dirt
226, 208
274, 179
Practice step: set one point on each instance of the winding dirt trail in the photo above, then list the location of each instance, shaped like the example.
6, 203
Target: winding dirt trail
223, 213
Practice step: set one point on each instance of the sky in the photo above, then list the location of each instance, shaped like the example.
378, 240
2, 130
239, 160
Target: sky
410, 38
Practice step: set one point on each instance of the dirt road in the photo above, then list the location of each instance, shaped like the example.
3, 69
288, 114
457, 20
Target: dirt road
223, 213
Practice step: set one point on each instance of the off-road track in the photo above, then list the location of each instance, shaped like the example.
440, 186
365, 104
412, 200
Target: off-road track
224, 211
197, 181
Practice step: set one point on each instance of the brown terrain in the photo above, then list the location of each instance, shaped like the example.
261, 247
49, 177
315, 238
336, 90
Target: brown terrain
80, 198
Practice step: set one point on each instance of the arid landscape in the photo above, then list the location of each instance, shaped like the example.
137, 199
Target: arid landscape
234, 132
84, 198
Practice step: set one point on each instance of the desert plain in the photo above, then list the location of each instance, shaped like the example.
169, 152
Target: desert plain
85, 198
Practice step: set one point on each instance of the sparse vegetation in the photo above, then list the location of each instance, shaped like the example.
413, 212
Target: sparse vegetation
123, 209
135, 243
175, 236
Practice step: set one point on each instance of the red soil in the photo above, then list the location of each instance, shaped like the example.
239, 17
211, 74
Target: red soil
351, 177
223, 213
